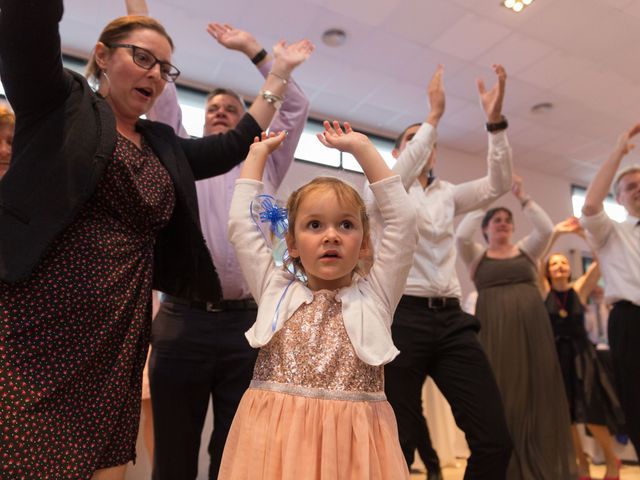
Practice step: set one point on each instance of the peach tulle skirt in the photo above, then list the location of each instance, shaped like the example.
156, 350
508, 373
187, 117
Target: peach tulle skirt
290, 437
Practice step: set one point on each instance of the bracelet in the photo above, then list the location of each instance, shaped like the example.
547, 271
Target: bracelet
272, 99
284, 80
259, 57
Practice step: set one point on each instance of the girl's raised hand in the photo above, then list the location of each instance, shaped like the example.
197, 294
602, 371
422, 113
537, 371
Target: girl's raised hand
358, 145
253, 166
267, 143
344, 140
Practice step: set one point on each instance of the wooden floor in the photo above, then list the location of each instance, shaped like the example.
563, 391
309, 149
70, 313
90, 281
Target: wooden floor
628, 472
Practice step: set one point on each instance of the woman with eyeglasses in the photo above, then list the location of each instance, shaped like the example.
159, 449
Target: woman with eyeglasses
99, 207
7, 125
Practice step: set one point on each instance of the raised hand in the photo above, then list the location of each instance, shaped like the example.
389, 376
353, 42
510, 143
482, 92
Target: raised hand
253, 166
570, 225
516, 188
491, 100
624, 144
435, 92
234, 38
358, 145
267, 143
345, 141
289, 56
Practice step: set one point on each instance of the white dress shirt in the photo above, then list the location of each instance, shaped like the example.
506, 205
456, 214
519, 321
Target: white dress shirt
433, 273
367, 304
618, 248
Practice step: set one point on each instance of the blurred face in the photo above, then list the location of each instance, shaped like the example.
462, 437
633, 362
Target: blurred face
328, 240
130, 89
409, 134
629, 193
6, 140
500, 228
559, 267
222, 114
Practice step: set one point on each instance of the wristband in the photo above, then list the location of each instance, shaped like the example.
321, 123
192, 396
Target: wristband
259, 57
497, 126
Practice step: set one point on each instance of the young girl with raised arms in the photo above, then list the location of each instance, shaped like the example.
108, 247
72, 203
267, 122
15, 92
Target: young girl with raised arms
316, 407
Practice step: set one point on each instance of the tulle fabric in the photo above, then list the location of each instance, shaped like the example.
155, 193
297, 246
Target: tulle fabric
290, 437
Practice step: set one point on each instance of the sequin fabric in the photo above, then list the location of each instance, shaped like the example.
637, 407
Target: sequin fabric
313, 350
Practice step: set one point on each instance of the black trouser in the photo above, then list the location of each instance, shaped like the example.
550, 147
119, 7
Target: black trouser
427, 453
196, 355
443, 344
624, 341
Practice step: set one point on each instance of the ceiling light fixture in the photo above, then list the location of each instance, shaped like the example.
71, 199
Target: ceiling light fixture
334, 37
542, 107
516, 5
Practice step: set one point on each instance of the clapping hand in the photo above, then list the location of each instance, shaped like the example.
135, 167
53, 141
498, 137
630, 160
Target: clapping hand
516, 188
435, 92
570, 225
491, 100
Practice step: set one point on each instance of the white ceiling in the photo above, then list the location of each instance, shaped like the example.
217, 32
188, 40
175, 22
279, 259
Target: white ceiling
577, 54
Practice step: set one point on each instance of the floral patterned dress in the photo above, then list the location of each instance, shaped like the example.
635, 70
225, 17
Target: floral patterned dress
74, 335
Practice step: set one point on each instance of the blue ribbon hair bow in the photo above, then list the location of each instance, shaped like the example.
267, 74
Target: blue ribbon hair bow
277, 217
270, 212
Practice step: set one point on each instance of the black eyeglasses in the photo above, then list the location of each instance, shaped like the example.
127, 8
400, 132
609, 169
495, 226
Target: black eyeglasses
147, 60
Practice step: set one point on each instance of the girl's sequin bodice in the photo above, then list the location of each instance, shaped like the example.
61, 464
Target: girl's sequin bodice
312, 350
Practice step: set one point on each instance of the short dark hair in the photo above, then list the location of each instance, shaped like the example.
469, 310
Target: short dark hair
225, 91
404, 132
490, 214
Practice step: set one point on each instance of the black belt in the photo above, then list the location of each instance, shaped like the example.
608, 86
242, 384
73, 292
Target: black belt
219, 306
625, 303
432, 303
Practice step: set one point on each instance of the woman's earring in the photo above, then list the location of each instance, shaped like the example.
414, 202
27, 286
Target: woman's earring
105, 95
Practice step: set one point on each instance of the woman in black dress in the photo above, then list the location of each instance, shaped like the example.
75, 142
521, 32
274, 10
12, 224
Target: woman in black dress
590, 392
98, 207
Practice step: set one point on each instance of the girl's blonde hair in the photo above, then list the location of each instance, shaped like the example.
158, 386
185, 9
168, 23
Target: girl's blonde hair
347, 196
119, 29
